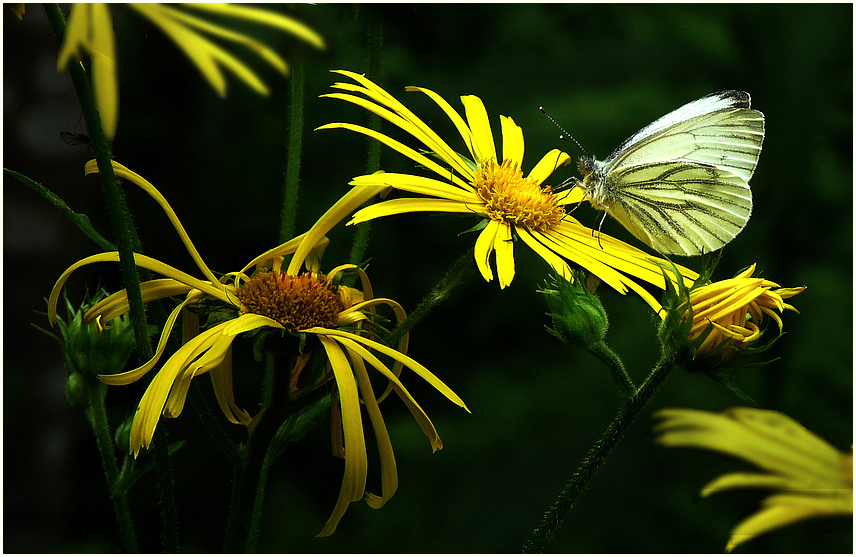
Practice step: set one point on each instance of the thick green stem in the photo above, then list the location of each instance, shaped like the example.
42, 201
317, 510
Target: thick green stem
127, 243
631, 409
295, 146
117, 209
616, 367
97, 414
461, 271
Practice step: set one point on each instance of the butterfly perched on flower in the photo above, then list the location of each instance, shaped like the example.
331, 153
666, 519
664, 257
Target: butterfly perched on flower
681, 184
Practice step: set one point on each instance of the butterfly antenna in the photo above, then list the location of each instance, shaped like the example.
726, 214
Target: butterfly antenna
565, 135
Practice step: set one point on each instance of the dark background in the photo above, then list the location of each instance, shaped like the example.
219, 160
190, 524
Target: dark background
603, 72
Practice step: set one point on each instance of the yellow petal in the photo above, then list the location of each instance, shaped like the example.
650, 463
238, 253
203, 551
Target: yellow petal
409, 362
388, 470
417, 157
266, 17
356, 463
547, 165
411, 205
512, 141
341, 209
504, 247
453, 115
124, 172
480, 126
484, 247
417, 184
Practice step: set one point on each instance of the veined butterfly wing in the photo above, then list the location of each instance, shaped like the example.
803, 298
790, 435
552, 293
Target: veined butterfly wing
681, 184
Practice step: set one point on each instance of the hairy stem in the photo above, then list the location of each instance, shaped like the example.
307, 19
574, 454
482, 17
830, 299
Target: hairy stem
631, 409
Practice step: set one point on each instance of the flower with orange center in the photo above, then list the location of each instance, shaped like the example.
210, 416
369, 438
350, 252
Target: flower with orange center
730, 311
809, 477
514, 206
307, 304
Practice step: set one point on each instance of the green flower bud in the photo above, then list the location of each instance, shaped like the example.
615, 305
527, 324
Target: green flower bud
578, 316
90, 349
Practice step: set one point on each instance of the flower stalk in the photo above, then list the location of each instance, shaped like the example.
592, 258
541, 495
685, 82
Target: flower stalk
127, 243
598, 453
97, 415
295, 148
461, 272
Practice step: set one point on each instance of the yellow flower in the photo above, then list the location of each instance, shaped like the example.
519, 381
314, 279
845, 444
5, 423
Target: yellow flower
809, 477
90, 32
732, 311
513, 206
340, 318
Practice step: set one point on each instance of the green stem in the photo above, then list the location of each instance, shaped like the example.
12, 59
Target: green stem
80, 220
375, 73
127, 243
295, 146
631, 409
166, 492
616, 367
461, 271
117, 209
250, 477
97, 414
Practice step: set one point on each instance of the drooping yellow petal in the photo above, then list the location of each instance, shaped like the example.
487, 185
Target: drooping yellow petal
504, 248
216, 291
128, 377
128, 174
408, 362
116, 304
484, 247
356, 462
512, 140
559, 265
388, 470
415, 409
480, 126
221, 380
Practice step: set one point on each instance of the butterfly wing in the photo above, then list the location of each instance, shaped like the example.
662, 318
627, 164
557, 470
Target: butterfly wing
681, 184
679, 207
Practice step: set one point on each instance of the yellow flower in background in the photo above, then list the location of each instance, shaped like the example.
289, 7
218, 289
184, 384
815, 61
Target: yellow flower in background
732, 310
809, 477
513, 205
90, 33
308, 303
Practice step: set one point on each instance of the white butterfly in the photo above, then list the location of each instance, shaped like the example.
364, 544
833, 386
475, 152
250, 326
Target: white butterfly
681, 184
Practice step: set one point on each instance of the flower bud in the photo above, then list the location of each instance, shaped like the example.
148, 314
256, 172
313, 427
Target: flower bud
92, 349
578, 316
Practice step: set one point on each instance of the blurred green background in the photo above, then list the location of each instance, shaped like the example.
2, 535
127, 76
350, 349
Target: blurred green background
603, 72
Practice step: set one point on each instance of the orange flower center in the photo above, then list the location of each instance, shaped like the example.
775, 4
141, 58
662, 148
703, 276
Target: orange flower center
511, 198
297, 303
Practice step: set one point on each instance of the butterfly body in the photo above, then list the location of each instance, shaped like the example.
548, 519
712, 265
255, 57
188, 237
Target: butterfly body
681, 184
